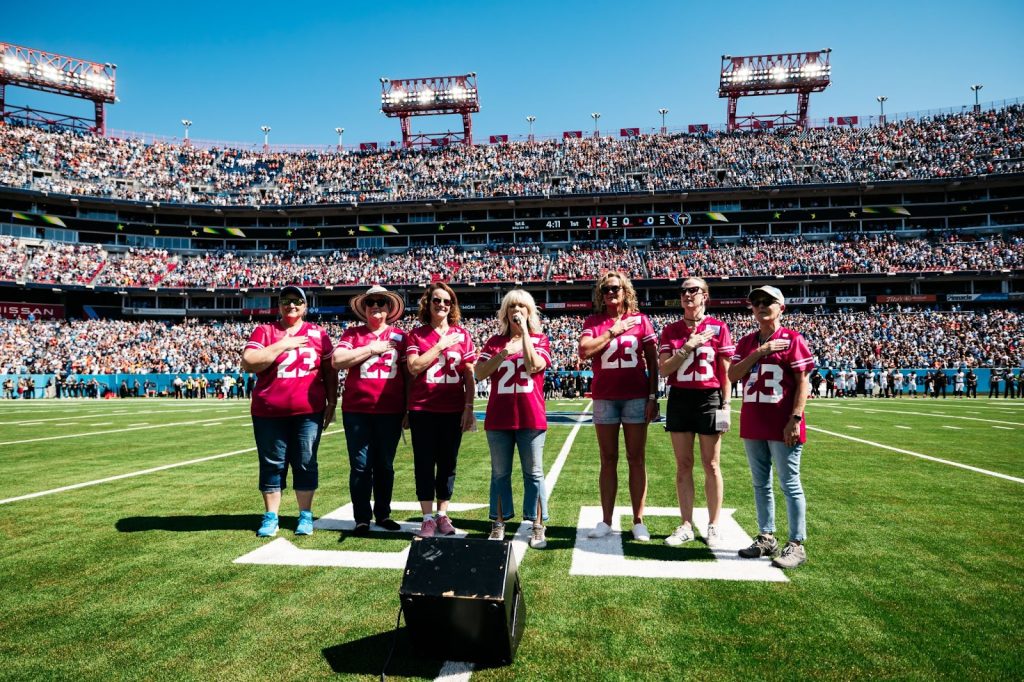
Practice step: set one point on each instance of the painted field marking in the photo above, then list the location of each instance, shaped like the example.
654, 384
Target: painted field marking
955, 428
851, 426
140, 424
900, 426
29, 423
213, 424
282, 552
1004, 428
131, 428
942, 416
138, 473
958, 465
606, 557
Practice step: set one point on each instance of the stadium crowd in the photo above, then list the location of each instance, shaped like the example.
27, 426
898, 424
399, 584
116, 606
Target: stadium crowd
90, 264
965, 144
873, 339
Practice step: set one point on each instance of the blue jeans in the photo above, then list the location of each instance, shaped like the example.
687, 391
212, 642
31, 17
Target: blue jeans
761, 454
288, 441
372, 441
531, 457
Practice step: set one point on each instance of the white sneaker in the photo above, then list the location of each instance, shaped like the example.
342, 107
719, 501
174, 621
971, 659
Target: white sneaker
600, 530
640, 533
679, 536
537, 539
713, 538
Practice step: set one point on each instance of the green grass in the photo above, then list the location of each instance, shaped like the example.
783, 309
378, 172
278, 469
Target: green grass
914, 565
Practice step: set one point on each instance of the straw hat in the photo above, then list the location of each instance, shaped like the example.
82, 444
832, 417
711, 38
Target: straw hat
358, 303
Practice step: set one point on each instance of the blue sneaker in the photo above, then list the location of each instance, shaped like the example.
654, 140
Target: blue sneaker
268, 528
305, 526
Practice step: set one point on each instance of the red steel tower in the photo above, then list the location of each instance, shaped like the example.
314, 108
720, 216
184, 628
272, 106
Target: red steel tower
36, 70
435, 96
773, 74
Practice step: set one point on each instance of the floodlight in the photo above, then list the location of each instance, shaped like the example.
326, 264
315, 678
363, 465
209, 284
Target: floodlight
404, 98
800, 73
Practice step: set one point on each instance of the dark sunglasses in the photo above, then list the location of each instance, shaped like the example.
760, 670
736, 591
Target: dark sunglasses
757, 302
292, 301
436, 300
610, 289
692, 291
378, 302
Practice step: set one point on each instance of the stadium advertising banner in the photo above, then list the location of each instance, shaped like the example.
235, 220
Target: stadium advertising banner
31, 311
909, 298
964, 298
806, 300
851, 299
565, 305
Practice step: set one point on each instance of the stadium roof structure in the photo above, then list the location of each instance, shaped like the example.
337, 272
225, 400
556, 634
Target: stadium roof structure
37, 70
773, 74
437, 95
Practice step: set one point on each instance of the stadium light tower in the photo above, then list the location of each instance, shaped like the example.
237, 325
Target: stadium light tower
530, 120
596, 116
773, 74
975, 88
36, 70
434, 96
340, 131
266, 137
663, 111
186, 124
882, 99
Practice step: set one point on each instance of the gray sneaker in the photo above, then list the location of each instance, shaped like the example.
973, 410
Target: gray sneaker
764, 545
793, 554
680, 535
537, 539
497, 531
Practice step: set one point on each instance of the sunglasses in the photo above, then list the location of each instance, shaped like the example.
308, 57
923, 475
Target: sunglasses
436, 300
692, 291
757, 302
292, 301
612, 289
378, 302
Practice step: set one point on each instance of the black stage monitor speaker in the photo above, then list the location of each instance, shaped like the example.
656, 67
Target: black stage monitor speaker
462, 599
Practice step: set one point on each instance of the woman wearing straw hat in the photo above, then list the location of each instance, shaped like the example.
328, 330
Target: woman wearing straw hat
373, 403
441, 357
293, 402
515, 359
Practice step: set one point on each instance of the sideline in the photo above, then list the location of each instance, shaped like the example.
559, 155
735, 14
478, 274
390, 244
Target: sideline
461, 671
918, 454
133, 474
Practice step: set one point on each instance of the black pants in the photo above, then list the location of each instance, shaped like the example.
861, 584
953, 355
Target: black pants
436, 438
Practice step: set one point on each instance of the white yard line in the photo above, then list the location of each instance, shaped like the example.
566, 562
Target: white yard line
460, 671
1004, 428
100, 433
940, 416
918, 454
136, 473
900, 426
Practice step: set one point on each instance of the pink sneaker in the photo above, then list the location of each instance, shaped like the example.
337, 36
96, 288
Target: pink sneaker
427, 528
444, 526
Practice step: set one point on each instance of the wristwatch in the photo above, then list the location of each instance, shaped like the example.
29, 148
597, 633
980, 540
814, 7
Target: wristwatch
798, 417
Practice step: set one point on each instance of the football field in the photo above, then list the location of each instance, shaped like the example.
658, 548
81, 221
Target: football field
129, 552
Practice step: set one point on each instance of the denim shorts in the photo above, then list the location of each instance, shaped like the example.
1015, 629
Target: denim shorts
620, 411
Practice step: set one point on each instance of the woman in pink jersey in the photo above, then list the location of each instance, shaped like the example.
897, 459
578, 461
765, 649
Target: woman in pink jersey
514, 359
373, 403
773, 363
293, 402
621, 343
440, 356
694, 355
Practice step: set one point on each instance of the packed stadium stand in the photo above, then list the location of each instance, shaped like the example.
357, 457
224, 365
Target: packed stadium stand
896, 245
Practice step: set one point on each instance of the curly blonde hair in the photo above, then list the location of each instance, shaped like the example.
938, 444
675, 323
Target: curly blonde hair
629, 304
518, 296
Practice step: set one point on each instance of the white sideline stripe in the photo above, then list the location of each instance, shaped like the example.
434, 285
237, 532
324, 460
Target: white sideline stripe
899, 426
942, 416
104, 414
135, 473
101, 433
918, 454
122, 476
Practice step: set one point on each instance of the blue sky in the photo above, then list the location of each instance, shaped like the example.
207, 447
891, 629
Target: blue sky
304, 69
